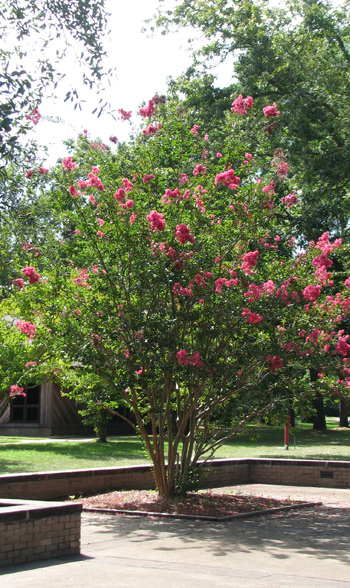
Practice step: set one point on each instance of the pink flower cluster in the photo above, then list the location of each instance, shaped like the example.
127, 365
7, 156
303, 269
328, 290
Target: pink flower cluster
81, 280
271, 110
251, 317
68, 163
221, 282
228, 178
157, 220
19, 282
151, 129
194, 130
240, 105
290, 199
199, 170
31, 273
147, 178
124, 114
39, 170
183, 234
148, 111
311, 293
324, 244
275, 363
249, 261
27, 328
35, 116
185, 359
16, 391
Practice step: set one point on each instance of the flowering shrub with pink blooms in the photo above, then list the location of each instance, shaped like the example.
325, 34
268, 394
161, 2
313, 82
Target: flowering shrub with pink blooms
194, 296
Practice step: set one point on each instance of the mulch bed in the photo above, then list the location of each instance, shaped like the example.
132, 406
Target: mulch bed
196, 504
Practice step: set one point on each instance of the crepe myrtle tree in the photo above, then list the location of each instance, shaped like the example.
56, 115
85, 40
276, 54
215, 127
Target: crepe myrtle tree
177, 287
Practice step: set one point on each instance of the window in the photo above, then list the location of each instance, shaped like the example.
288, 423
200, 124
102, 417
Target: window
26, 409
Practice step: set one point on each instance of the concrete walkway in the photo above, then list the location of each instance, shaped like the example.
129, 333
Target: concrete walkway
308, 548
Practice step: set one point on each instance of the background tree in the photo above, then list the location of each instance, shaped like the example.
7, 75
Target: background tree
37, 36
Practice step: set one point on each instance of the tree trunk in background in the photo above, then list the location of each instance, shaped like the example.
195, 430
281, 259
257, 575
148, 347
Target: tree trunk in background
319, 419
291, 414
343, 411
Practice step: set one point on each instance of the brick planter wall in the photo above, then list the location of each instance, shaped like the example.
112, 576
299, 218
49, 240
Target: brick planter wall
31, 531
224, 472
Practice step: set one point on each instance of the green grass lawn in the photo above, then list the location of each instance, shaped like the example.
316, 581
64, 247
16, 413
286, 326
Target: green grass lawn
19, 454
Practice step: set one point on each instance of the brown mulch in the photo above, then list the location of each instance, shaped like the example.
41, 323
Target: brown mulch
204, 503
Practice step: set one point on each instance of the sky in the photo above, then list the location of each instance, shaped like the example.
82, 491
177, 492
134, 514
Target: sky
142, 64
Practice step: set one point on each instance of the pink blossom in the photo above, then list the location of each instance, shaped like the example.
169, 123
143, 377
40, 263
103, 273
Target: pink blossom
16, 391
183, 234
240, 105
199, 170
147, 111
324, 244
100, 234
183, 179
119, 195
218, 155
151, 130
139, 372
95, 182
92, 199
125, 114
251, 317
100, 221
35, 116
157, 220
77, 232
321, 261
275, 363
249, 261
31, 273
271, 110
30, 364
68, 163
282, 168
248, 156
184, 359
129, 203
228, 178
27, 328
19, 282
194, 130
311, 292
128, 186
147, 178
342, 347
73, 191
83, 184
132, 218
290, 199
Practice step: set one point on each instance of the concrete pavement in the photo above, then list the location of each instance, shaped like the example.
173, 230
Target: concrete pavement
308, 548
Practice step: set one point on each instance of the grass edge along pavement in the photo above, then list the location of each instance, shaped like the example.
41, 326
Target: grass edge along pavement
22, 455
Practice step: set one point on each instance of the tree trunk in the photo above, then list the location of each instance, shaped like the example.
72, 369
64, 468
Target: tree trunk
101, 432
291, 414
343, 412
319, 419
